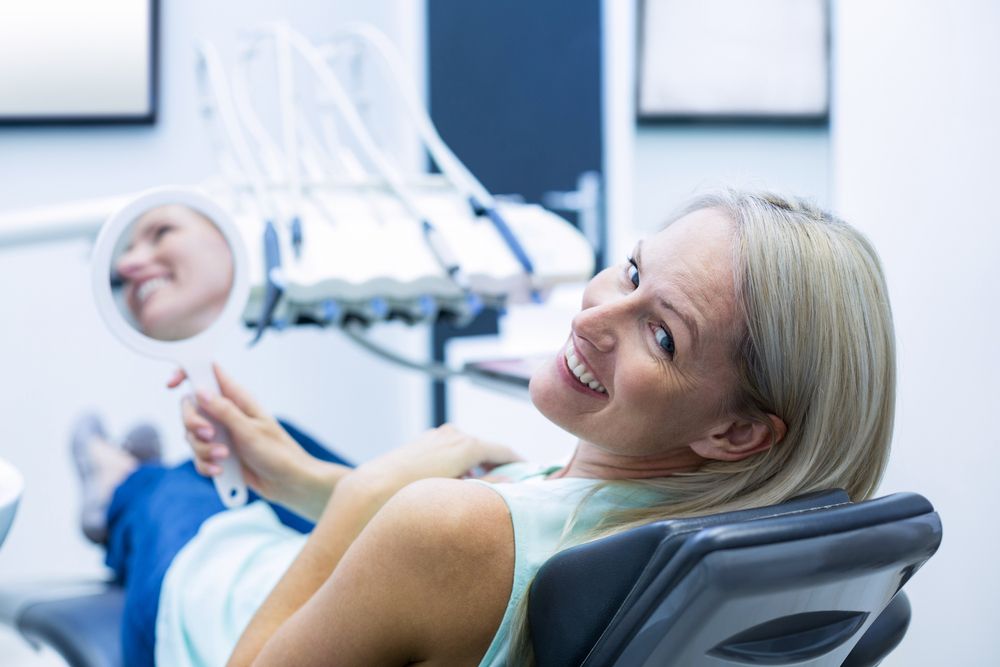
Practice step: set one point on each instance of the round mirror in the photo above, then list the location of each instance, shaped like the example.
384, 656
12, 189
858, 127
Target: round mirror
169, 274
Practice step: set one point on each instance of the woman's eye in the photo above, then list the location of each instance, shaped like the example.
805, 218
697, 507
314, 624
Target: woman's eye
632, 272
160, 232
665, 340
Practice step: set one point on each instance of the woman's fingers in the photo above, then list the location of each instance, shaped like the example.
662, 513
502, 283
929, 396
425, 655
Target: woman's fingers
228, 388
177, 378
496, 454
206, 456
222, 409
482, 450
237, 394
199, 434
194, 421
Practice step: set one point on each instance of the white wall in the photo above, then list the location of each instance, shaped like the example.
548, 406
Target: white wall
57, 359
916, 133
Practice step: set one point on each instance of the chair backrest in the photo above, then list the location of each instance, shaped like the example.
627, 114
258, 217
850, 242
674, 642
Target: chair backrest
799, 588
577, 593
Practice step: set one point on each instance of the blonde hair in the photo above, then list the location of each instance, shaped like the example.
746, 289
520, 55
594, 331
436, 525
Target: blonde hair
817, 349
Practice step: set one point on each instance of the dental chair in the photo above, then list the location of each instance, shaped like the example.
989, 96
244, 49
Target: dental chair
813, 581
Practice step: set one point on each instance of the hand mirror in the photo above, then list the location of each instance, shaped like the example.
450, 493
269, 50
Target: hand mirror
169, 273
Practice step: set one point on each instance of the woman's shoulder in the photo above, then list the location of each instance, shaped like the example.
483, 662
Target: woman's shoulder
441, 512
445, 547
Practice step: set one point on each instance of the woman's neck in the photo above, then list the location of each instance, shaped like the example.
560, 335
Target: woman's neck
593, 462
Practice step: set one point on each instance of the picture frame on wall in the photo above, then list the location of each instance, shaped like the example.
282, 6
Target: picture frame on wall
65, 62
733, 61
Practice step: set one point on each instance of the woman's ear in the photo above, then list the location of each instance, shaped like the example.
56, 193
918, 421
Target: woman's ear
737, 439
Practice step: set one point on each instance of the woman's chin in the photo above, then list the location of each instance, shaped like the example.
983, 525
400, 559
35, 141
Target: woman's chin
163, 327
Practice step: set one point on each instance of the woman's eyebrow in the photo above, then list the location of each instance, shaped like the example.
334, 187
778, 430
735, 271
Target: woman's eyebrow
665, 303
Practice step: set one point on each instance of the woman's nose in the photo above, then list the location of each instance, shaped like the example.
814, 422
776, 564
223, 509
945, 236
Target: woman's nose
131, 262
599, 319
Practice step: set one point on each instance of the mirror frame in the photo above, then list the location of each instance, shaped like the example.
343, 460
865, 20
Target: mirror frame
104, 247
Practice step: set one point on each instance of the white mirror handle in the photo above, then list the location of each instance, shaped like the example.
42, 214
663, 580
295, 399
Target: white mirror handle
229, 484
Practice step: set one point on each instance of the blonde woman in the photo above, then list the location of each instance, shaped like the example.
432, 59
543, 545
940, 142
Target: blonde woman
741, 356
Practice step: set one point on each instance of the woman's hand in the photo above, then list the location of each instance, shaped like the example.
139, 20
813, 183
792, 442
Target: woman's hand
273, 464
440, 452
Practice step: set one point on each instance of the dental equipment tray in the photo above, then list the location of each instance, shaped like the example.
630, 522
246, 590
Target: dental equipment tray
366, 259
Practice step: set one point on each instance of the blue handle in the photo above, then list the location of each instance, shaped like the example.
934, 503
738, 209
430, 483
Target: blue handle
507, 234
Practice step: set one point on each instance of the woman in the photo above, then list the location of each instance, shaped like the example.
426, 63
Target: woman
177, 271
741, 356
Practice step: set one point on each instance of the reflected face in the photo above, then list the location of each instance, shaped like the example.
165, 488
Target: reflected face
177, 272
649, 360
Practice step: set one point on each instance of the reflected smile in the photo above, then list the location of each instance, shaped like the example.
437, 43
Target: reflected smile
580, 370
146, 288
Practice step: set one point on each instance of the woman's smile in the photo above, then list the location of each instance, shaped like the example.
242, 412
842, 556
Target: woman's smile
146, 289
142, 290
581, 377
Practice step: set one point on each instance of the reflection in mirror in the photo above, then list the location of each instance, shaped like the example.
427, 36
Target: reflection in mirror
171, 273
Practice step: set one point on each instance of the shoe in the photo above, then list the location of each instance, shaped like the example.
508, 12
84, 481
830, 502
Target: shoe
101, 467
143, 442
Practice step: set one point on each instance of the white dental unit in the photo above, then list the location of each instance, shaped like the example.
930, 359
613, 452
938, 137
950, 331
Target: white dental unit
336, 233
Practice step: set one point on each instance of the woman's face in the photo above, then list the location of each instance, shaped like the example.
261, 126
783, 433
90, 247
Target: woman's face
177, 270
654, 343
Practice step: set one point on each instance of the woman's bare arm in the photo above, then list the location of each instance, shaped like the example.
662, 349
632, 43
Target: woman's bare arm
345, 516
443, 452
277, 467
426, 582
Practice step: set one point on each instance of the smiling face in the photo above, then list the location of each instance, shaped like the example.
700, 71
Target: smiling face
177, 271
649, 360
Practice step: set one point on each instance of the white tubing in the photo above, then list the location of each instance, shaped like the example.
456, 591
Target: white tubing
439, 150
232, 129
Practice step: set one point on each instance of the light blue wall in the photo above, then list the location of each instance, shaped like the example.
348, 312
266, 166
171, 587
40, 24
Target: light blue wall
672, 162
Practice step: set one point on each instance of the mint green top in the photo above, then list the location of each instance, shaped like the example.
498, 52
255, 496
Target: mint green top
221, 577
541, 510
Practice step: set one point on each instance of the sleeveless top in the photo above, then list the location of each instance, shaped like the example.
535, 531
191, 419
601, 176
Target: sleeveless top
547, 515
222, 576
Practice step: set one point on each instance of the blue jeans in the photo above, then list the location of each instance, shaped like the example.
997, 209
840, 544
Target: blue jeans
153, 514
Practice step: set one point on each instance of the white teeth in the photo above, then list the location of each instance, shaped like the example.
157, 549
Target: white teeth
581, 372
148, 288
